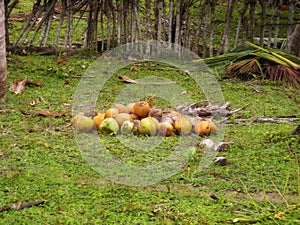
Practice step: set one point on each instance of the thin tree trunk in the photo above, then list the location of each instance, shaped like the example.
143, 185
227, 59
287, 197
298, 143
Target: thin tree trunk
187, 39
171, 11
204, 52
159, 19
137, 22
241, 21
263, 4
125, 20
119, 22
291, 16
69, 27
178, 24
132, 21
211, 27
36, 12
276, 29
3, 67
61, 21
225, 39
198, 28
251, 19
47, 20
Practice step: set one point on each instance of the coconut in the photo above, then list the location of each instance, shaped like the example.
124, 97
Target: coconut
183, 125
111, 113
75, 119
213, 127
156, 122
165, 129
98, 119
109, 126
121, 108
121, 117
141, 108
156, 113
147, 127
202, 128
84, 124
130, 107
127, 127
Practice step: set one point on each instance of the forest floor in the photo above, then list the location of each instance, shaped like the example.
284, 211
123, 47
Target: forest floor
40, 159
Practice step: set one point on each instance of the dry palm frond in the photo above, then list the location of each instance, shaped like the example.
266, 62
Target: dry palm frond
285, 74
245, 67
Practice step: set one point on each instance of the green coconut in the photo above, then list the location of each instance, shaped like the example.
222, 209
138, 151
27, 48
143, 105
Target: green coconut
147, 127
109, 126
127, 127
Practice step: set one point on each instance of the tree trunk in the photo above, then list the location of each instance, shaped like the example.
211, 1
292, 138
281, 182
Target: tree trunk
211, 27
225, 41
263, 4
171, 11
252, 20
293, 41
3, 68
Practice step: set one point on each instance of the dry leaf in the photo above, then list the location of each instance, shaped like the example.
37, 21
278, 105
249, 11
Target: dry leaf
44, 113
18, 86
127, 79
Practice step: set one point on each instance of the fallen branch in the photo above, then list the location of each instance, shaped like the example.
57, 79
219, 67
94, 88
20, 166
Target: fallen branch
198, 109
19, 206
131, 81
267, 120
44, 113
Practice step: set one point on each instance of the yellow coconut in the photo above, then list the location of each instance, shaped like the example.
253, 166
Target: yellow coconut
98, 119
183, 125
202, 128
84, 124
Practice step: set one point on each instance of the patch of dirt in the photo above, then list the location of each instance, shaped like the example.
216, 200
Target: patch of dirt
274, 197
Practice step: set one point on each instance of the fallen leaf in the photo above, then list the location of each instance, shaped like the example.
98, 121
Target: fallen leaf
44, 113
18, 86
127, 79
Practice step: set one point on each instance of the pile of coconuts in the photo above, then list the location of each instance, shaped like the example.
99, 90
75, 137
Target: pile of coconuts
141, 118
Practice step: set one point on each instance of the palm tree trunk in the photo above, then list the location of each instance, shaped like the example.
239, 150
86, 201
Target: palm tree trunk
3, 68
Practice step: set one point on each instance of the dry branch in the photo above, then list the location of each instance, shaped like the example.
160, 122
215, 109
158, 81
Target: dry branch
19, 206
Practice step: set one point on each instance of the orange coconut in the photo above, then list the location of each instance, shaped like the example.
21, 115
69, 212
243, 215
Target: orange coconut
141, 108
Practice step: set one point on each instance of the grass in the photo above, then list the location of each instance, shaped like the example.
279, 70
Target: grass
41, 161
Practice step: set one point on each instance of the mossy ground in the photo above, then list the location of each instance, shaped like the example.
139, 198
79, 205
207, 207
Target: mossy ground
39, 158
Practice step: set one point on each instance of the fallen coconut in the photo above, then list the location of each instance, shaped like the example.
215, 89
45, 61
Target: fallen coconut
147, 127
127, 127
84, 124
183, 125
109, 126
